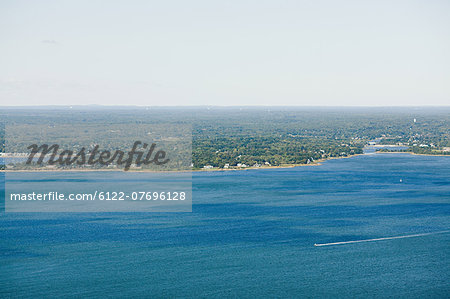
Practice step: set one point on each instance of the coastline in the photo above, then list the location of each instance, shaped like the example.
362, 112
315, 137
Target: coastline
411, 153
316, 163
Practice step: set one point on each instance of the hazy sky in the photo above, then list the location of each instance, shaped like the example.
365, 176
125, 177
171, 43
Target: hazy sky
225, 52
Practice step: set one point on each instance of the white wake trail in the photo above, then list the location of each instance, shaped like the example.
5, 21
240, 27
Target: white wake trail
381, 239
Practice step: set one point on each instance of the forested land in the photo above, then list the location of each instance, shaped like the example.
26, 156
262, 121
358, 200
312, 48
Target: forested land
254, 136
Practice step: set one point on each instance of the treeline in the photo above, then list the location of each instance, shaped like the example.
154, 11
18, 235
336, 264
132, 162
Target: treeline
262, 150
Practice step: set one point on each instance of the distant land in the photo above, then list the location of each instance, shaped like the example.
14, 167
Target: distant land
254, 137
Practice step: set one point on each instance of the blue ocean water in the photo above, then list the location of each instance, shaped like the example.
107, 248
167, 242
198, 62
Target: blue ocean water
251, 234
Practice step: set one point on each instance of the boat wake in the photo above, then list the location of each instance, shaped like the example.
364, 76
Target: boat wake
381, 239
